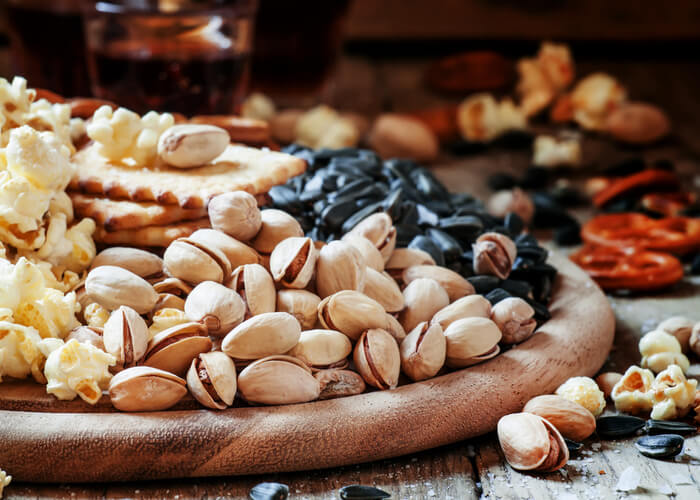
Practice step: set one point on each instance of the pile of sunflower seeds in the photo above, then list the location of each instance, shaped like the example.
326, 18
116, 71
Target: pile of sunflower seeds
343, 186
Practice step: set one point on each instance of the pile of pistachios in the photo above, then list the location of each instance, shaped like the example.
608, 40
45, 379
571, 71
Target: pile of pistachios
254, 308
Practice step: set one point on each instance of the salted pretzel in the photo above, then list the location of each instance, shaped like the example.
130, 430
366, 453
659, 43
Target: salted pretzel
668, 204
629, 269
653, 179
677, 235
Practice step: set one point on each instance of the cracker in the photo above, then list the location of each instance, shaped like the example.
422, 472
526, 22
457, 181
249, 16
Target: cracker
245, 130
238, 168
149, 236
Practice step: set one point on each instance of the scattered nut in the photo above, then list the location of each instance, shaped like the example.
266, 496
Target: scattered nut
494, 254
515, 318
529, 442
607, 381
377, 358
112, 287
401, 136
680, 327
571, 419
236, 214
192, 145
637, 123
339, 383
212, 380
143, 388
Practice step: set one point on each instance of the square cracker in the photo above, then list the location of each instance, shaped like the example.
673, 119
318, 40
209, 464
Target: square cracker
149, 236
238, 168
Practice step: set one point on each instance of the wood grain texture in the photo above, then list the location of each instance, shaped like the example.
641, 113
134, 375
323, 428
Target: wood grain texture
450, 408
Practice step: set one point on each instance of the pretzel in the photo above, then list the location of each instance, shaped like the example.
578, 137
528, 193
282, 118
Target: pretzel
678, 235
668, 204
645, 179
629, 269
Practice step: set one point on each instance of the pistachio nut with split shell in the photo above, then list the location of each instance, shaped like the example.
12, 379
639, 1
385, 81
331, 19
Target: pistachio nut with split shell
382, 288
470, 341
262, 335
144, 388
112, 286
321, 348
87, 335
236, 214
168, 301
173, 286
529, 442
293, 262
454, 284
571, 419
402, 258
211, 379
494, 254
278, 380
140, 262
373, 258
471, 306
377, 358
423, 297
301, 304
276, 226
423, 351
194, 262
125, 337
339, 383
174, 349
515, 318
217, 307
339, 267
189, 145
394, 328
236, 252
351, 313
379, 229
255, 286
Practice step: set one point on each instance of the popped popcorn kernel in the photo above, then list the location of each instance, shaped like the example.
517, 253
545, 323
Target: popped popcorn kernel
166, 318
594, 98
632, 393
557, 152
481, 118
584, 391
672, 394
95, 315
660, 349
5, 481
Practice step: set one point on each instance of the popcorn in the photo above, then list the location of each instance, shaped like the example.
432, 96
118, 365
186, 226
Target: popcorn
584, 391
594, 98
123, 135
659, 350
44, 116
672, 394
19, 352
15, 102
543, 78
164, 319
75, 369
258, 106
5, 481
324, 127
632, 394
95, 315
481, 118
556, 152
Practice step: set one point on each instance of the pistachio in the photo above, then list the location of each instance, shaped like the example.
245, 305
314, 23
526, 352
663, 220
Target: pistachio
217, 307
168, 301
174, 349
173, 286
379, 229
126, 336
402, 136
339, 267
377, 358
212, 380
471, 340
681, 328
694, 342
193, 262
382, 288
494, 254
143, 388
255, 286
140, 262
339, 383
236, 214
401, 258
276, 226
515, 318
293, 262
112, 286
530, 442
191, 145
606, 381
394, 328
373, 258
351, 313
278, 380
322, 348
423, 297
516, 201
471, 306
262, 335
423, 351
87, 335
301, 304
238, 253
454, 284
571, 419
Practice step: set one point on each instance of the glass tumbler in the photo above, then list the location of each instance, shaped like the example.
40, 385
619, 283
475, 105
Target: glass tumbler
190, 57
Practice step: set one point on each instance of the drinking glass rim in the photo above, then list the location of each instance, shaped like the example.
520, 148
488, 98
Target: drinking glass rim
112, 7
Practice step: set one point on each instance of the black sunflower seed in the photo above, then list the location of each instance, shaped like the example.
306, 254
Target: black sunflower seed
573, 446
568, 235
535, 253
535, 178
483, 283
496, 295
334, 215
463, 227
269, 491
618, 426
360, 492
360, 215
666, 427
450, 246
695, 265
427, 245
660, 446
517, 288
405, 234
514, 223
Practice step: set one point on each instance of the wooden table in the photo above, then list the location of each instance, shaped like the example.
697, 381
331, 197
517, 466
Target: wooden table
474, 469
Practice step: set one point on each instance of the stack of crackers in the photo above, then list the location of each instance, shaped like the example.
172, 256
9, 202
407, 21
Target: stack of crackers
151, 207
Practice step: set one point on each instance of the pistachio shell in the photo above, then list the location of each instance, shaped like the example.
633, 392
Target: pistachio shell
524, 440
373, 257
379, 229
319, 348
194, 262
515, 318
125, 336
276, 226
144, 388
382, 288
236, 252
168, 301
255, 286
394, 328
212, 380
87, 335
215, 306
467, 307
139, 262
423, 351
262, 335
469, 338
377, 358
339, 267
339, 383
351, 313
423, 297
494, 253
293, 262
301, 304
236, 214
454, 284
174, 286
174, 349
112, 286
401, 258
278, 380
571, 419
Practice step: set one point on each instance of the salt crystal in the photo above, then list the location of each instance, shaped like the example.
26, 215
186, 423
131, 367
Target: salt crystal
567, 496
431, 493
629, 480
681, 479
596, 446
665, 489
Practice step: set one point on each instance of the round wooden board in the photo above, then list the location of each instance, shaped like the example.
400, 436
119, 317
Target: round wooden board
46, 446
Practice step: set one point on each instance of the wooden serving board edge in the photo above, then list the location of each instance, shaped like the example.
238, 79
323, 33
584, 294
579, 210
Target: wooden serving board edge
70, 447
